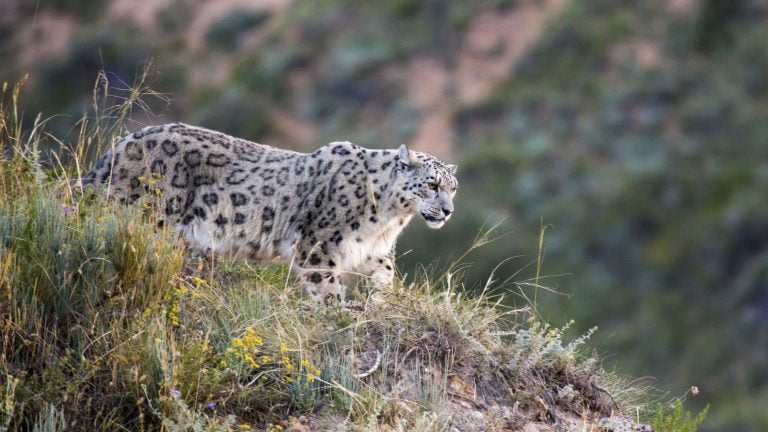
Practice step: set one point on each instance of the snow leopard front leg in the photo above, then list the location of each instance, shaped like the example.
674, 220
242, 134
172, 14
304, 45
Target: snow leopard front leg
323, 285
321, 278
379, 270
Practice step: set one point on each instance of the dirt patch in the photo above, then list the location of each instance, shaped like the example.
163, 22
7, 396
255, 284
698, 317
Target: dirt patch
201, 13
494, 44
209, 12
435, 133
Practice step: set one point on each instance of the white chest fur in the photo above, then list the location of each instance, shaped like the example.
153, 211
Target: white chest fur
371, 240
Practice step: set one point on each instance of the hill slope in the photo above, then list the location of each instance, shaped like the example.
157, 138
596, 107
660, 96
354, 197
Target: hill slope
108, 323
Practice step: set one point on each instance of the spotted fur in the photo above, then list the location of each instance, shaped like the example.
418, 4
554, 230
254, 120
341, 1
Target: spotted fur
334, 211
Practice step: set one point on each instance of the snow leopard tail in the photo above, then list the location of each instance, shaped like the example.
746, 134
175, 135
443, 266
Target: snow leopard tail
100, 173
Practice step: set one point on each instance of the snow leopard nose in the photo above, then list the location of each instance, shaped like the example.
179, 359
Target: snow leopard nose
447, 212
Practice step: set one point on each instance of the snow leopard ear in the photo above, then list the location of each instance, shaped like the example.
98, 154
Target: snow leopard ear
404, 159
452, 168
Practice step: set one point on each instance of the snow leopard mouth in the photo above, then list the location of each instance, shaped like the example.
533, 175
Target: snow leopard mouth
432, 218
433, 222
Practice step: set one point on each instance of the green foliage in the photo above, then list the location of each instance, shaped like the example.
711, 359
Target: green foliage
8, 401
77, 283
225, 32
264, 74
84, 9
236, 113
677, 420
717, 23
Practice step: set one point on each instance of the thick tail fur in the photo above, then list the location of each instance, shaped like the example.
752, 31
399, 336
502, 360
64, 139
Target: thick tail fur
100, 173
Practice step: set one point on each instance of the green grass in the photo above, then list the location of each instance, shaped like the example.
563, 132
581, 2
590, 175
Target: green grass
108, 323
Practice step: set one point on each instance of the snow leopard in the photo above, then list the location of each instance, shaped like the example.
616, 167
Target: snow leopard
332, 212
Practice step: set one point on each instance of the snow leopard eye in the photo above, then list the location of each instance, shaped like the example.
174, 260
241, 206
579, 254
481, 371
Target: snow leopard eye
432, 185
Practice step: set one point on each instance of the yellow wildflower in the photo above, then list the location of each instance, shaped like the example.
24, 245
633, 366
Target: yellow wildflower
245, 426
251, 339
265, 359
283, 347
173, 316
305, 363
251, 362
288, 378
287, 363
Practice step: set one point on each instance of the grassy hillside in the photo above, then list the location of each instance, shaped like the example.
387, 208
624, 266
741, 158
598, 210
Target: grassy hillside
108, 323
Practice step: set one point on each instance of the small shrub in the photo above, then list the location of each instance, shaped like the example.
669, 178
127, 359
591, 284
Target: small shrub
677, 420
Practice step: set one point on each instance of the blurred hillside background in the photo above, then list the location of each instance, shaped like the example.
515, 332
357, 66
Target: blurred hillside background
636, 130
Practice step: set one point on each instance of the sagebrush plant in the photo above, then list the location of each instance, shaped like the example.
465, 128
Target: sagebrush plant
108, 323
